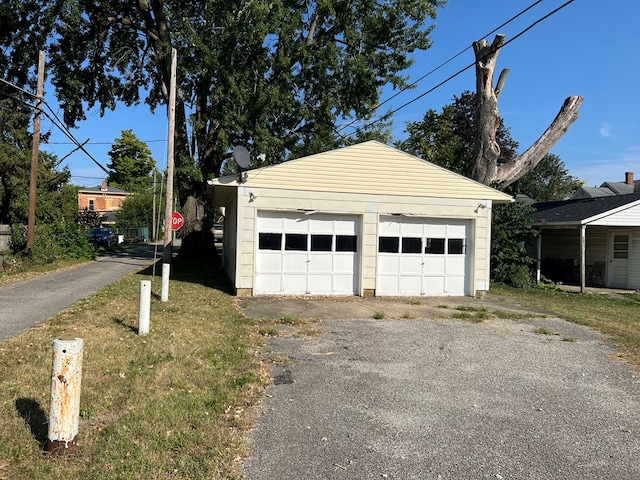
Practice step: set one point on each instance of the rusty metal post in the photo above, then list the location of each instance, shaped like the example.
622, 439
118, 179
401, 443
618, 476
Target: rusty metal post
145, 307
64, 405
164, 290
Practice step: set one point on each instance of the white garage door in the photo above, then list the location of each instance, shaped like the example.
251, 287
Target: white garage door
418, 256
314, 254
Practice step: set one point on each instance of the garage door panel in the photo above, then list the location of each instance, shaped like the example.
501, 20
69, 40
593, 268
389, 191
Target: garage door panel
434, 265
345, 263
435, 230
454, 285
294, 283
412, 229
434, 285
389, 228
411, 264
270, 223
410, 285
320, 284
294, 262
456, 265
344, 283
296, 225
457, 231
269, 262
388, 284
269, 283
319, 263
388, 264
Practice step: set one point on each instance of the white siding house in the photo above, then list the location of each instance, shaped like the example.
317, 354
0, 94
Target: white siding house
590, 231
361, 220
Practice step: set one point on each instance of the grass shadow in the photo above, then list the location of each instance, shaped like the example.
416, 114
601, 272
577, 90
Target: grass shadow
121, 322
34, 416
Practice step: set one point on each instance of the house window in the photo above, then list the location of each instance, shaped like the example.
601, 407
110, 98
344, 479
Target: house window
270, 241
411, 245
346, 243
91, 205
435, 246
388, 244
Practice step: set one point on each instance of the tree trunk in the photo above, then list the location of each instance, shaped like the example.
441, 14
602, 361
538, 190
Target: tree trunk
484, 167
486, 150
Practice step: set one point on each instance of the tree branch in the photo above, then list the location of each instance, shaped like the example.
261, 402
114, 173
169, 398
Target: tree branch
515, 169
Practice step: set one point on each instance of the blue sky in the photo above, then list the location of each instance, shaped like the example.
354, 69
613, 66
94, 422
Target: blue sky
588, 48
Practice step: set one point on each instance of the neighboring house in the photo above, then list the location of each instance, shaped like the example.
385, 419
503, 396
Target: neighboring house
590, 240
608, 189
366, 220
103, 199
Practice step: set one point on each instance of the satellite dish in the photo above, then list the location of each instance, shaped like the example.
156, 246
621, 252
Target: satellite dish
241, 156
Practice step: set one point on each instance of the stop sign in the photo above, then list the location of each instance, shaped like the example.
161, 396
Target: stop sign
176, 220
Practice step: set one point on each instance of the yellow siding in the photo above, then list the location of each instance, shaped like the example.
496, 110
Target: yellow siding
369, 168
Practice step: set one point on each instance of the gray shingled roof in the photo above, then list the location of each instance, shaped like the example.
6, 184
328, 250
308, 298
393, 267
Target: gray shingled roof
577, 210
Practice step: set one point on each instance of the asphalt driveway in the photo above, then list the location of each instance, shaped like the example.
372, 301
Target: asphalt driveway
438, 398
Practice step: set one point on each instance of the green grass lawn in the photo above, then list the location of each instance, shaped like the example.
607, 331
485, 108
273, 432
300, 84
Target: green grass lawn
173, 404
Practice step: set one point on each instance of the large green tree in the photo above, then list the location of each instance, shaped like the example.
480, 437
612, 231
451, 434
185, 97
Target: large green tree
131, 163
275, 76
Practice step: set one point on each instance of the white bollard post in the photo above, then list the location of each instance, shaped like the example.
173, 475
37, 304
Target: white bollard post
164, 292
64, 405
145, 307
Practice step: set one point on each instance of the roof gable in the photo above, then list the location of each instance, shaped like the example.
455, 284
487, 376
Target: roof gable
366, 168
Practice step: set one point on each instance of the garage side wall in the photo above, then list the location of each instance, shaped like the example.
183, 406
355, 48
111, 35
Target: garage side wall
369, 208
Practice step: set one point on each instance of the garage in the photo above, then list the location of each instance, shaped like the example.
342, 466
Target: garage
421, 256
367, 220
306, 253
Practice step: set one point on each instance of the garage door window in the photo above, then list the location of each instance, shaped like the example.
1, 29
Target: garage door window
388, 244
455, 246
295, 241
346, 243
434, 246
411, 245
321, 243
270, 241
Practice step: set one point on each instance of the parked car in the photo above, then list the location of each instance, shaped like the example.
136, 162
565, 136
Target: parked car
103, 236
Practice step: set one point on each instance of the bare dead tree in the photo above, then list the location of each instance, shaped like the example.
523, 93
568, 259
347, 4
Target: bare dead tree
484, 167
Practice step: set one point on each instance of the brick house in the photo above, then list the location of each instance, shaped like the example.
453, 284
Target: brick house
103, 199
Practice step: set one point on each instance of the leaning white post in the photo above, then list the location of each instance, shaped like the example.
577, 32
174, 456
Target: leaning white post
145, 307
164, 292
64, 405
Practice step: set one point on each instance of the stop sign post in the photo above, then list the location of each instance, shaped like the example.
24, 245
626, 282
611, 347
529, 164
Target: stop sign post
177, 220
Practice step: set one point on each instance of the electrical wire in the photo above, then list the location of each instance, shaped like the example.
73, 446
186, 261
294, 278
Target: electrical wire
459, 72
435, 69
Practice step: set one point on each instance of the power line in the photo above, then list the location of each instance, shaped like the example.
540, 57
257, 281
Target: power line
57, 122
459, 72
432, 71
103, 143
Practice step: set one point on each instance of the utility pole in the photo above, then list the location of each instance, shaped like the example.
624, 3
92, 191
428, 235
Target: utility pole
31, 232
168, 206
153, 220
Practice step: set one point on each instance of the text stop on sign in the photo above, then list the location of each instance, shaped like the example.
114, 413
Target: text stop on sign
176, 220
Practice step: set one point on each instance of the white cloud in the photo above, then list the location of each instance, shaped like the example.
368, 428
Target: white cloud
605, 129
